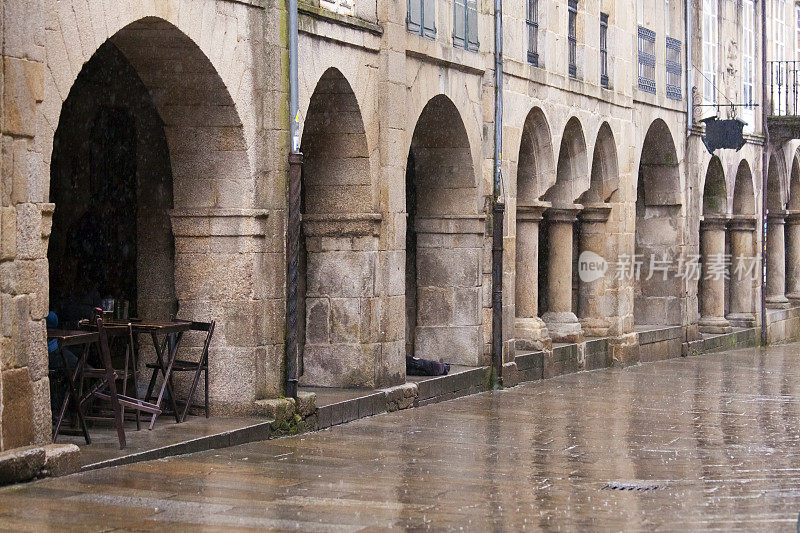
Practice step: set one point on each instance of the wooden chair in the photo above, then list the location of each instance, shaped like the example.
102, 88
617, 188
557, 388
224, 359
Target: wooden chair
106, 387
197, 367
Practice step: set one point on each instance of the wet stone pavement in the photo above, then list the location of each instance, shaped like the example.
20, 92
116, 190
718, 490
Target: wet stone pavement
710, 442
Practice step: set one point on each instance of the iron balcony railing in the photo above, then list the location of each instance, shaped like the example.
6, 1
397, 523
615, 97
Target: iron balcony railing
783, 88
647, 60
674, 69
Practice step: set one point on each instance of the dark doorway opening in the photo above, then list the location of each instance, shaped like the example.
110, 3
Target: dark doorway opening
111, 182
411, 255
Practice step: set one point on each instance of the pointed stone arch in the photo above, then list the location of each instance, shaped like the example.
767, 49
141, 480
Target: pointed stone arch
535, 167
444, 239
658, 233
339, 253
200, 188
605, 167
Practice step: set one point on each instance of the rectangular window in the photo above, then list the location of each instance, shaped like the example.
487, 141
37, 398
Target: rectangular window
797, 31
640, 12
421, 17
465, 24
709, 51
572, 33
780, 78
604, 50
344, 7
674, 69
647, 60
748, 62
667, 19
533, 32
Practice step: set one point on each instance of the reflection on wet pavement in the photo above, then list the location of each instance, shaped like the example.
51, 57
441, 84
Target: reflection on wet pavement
714, 439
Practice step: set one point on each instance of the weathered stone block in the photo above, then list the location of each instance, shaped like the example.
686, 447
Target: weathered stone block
23, 87
18, 423
401, 396
20, 464
61, 460
341, 274
345, 320
318, 326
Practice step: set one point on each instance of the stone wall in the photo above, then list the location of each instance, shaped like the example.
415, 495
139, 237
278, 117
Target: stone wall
25, 228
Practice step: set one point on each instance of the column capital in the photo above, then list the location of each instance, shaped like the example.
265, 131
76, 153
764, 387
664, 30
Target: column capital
596, 212
531, 211
793, 217
713, 222
567, 215
776, 217
743, 223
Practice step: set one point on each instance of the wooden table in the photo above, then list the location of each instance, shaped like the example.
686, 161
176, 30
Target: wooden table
65, 339
168, 329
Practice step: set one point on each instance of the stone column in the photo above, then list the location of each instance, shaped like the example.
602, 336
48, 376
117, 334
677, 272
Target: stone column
776, 261
712, 284
793, 257
591, 276
744, 267
529, 330
560, 319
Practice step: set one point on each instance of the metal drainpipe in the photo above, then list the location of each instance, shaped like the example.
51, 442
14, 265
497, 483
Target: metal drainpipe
689, 78
498, 207
764, 163
293, 208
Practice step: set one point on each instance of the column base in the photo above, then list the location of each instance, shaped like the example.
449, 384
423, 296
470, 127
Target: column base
742, 320
595, 327
794, 298
714, 325
531, 335
778, 302
564, 327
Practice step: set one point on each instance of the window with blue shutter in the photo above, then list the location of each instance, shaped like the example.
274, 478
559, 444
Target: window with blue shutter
421, 17
465, 24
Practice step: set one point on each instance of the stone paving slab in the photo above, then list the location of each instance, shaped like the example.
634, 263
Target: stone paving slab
687, 444
166, 439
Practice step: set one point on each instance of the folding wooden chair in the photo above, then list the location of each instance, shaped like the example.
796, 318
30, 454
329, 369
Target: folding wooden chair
106, 387
197, 367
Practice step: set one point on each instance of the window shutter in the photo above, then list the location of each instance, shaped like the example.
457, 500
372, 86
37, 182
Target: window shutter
429, 18
459, 23
414, 16
472, 25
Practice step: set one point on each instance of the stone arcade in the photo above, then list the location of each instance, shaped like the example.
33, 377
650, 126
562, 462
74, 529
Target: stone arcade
189, 99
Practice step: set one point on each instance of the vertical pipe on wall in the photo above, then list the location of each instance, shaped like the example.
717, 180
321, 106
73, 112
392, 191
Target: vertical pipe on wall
687, 28
764, 163
293, 208
498, 207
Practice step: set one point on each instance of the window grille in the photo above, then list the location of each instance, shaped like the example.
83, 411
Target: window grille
604, 50
573, 38
674, 69
647, 60
532, 21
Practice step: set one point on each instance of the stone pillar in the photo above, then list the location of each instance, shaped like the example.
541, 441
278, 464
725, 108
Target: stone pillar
226, 271
529, 330
560, 319
793, 257
776, 261
342, 341
744, 268
712, 284
592, 282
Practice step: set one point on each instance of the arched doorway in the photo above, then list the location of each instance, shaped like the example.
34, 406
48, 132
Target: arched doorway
776, 237
444, 240
793, 234
714, 262
744, 259
594, 292
535, 173
340, 242
658, 234
149, 152
557, 267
